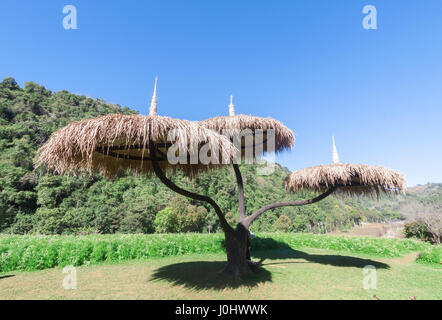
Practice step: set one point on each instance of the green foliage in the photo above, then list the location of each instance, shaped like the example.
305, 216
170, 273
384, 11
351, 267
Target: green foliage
165, 221
382, 247
181, 217
40, 252
418, 229
283, 224
432, 255
232, 219
50, 221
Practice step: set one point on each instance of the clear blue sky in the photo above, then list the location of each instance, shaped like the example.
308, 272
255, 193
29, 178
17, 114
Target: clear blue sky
307, 63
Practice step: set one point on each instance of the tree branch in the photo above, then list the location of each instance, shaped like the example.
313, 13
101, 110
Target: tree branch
160, 174
248, 221
241, 202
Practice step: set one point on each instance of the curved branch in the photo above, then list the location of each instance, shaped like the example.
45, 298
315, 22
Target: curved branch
241, 202
160, 174
248, 221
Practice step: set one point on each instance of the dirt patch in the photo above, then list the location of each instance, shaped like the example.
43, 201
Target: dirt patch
387, 230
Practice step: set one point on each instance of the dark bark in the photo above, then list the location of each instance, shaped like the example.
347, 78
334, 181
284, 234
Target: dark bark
160, 174
249, 220
236, 248
241, 202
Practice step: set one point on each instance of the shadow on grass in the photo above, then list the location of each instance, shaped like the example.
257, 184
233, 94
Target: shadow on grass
282, 250
205, 275
327, 259
201, 275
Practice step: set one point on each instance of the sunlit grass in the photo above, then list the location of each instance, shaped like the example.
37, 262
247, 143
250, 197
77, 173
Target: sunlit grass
284, 274
34, 252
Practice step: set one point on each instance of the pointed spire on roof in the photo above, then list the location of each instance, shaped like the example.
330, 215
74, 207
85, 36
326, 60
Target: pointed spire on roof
335, 152
153, 103
231, 107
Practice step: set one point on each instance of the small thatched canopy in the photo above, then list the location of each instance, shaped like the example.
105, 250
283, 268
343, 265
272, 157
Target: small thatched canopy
119, 141
284, 137
353, 179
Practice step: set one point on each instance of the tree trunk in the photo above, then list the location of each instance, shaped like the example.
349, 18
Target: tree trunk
236, 240
236, 247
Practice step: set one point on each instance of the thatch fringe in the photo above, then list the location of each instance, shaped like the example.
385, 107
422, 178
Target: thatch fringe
352, 179
74, 147
284, 137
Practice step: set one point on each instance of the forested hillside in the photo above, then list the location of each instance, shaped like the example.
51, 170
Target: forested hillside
418, 200
33, 201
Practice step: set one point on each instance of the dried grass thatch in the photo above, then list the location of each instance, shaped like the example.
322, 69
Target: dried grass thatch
353, 179
284, 137
115, 142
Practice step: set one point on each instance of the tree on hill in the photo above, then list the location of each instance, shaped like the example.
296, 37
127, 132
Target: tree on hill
143, 144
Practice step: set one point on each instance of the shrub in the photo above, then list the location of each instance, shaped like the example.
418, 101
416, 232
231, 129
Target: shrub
165, 221
419, 229
431, 255
283, 223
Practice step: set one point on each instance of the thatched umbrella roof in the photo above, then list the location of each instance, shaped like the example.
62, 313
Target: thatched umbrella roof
353, 179
347, 178
284, 137
117, 141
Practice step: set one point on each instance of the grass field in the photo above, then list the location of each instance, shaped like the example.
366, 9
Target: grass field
186, 266
285, 274
40, 252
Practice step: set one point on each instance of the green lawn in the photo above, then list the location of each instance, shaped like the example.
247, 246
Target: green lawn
285, 274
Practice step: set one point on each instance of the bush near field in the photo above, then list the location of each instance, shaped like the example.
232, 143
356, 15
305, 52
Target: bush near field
41, 252
420, 229
432, 255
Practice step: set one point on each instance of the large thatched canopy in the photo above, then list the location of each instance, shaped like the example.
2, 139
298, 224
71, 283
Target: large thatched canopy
260, 128
117, 141
353, 179
114, 142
